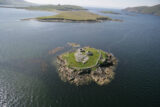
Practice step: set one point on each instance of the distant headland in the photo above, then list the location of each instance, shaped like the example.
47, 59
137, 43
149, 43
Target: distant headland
65, 13
154, 10
84, 65
68, 13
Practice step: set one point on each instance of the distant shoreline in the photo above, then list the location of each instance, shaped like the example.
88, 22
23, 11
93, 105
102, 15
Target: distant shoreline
110, 12
76, 14
153, 10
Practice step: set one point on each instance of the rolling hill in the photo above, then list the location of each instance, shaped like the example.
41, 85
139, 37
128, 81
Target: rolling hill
13, 2
155, 10
55, 7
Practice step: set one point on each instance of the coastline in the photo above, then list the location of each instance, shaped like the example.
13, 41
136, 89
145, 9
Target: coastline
71, 20
65, 19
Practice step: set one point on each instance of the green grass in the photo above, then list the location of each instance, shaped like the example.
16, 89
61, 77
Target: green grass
75, 16
69, 57
104, 55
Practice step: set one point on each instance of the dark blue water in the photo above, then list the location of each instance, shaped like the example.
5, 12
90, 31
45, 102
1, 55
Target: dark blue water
28, 77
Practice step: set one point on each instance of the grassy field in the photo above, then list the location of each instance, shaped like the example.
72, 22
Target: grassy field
75, 16
104, 55
91, 63
70, 58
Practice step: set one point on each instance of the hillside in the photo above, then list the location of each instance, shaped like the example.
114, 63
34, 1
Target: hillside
55, 7
155, 10
13, 2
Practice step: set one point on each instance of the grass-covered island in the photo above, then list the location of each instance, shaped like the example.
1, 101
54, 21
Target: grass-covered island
74, 16
110, 12
84, 65
67, 13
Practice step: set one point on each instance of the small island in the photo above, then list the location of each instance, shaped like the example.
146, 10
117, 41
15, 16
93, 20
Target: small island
84, 65
67, 13
74, 16
110, 12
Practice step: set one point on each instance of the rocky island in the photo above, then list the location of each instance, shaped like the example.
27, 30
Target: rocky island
84, 65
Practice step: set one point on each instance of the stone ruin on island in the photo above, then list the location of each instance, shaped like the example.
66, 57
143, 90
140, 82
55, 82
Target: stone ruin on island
81, 55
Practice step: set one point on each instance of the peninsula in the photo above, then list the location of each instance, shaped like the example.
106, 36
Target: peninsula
84, 65
55, 8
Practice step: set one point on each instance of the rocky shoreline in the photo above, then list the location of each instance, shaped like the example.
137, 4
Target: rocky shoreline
103, 74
